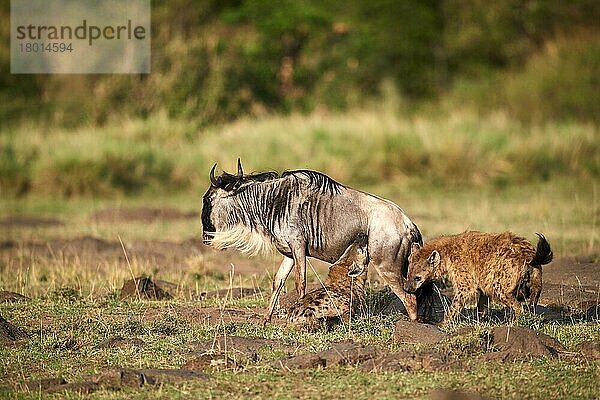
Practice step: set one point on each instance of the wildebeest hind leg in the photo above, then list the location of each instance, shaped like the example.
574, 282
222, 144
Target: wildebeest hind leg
283, 272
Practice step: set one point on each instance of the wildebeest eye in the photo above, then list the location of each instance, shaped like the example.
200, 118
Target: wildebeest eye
417, 279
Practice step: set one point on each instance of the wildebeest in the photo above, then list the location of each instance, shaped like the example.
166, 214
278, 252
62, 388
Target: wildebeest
306, 213
343, 294
501, 266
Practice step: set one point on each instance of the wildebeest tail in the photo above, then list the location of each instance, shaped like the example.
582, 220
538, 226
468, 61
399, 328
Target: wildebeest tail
543, 252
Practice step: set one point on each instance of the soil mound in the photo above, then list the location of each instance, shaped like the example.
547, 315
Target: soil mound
512, 342
210, 362
142, 214
12, 297
142, 288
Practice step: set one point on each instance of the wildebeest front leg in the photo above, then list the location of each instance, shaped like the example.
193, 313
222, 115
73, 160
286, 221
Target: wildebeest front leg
395, 281
299, 255
284, 270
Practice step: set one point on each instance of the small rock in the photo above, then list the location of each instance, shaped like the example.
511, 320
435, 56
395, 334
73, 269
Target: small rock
414, 332
143, 289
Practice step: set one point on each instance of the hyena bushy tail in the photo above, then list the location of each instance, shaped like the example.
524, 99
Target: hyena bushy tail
543, 252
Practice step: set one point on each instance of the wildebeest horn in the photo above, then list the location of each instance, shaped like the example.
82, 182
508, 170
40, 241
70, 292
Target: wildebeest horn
213, 181
240, 171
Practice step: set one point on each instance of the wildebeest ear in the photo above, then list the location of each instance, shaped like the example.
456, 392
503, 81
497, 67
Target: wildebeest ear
415, 247
356, 269
240, 171
434, 259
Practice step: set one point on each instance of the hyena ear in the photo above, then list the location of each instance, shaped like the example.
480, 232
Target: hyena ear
414, 247
356, 269
434, 259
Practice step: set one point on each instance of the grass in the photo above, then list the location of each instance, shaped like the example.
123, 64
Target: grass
364, 147
450, 173
65, 336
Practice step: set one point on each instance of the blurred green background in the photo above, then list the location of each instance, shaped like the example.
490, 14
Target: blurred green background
471, 93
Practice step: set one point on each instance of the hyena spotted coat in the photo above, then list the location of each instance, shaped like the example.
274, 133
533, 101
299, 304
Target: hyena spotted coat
343, 294
502, 266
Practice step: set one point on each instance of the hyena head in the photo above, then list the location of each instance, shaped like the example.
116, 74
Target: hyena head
421, 267
356, 256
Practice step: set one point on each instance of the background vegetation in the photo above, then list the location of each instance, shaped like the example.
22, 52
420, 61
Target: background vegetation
449, 92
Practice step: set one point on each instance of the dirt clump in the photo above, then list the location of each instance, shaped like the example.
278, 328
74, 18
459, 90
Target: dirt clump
449, 394
121, 342
78, 387
414, 332
12, 297
303, 361
593, 313
347, 353
206, 362
28, 221
135, 378
409, 360
41, 384
115, 379
141, 214
341, 353
10, 334
590, 349
512, 342
143, 288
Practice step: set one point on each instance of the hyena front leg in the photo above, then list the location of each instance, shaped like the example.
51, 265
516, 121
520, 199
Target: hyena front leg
511, 302
458, 303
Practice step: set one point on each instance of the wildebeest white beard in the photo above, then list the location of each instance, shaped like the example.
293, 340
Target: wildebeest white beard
244, 239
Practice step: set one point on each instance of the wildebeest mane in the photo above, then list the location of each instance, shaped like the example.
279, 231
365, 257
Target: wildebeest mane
316, 180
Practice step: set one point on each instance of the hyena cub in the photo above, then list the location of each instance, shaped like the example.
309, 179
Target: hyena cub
501, 266
343, 294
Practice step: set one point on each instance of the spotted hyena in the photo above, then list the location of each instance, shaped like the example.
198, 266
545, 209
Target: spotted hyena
497, 266
343, 294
